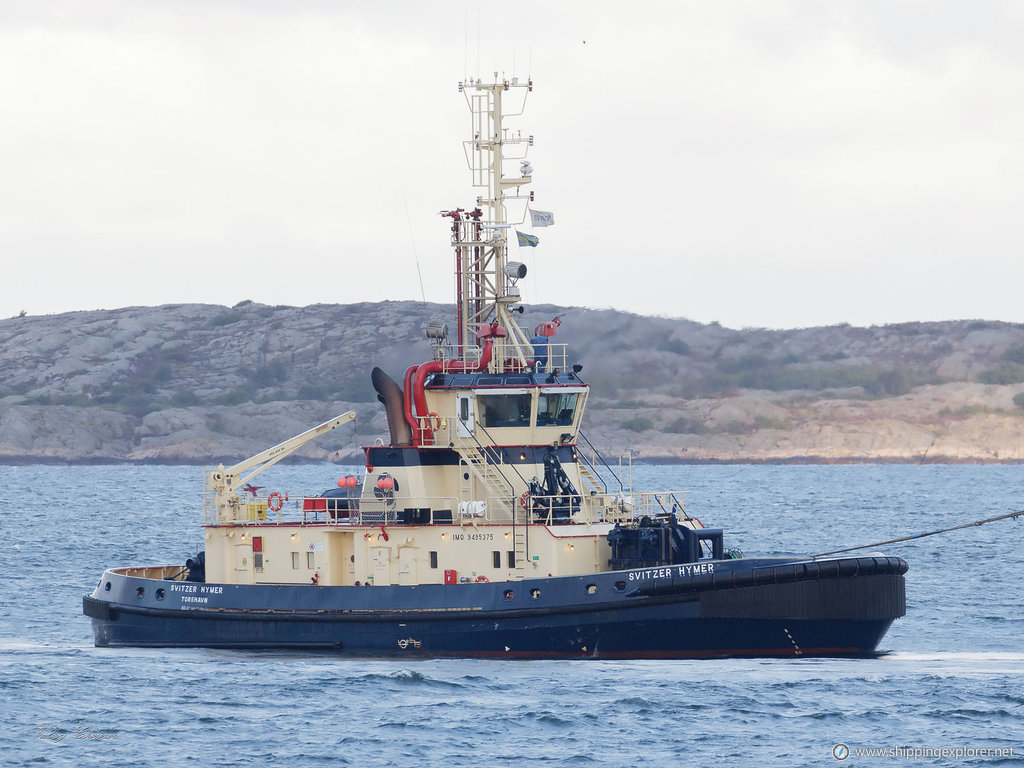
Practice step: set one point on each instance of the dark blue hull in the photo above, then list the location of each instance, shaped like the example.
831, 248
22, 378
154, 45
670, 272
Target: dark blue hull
740, 608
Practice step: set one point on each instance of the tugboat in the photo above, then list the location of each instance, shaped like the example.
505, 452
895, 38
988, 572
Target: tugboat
483, 527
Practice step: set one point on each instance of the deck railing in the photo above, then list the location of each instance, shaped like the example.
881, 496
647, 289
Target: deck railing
384, 509
162, 572
543, 358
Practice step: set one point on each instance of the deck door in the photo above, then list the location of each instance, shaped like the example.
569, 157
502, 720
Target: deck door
464, 416
407, 565
380, 561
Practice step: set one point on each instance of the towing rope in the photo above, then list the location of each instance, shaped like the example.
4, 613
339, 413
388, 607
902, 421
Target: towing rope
1014, 515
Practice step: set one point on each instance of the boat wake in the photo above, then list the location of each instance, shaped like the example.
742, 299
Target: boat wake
953, 656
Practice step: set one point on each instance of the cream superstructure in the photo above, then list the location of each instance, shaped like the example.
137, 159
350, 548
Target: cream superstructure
483, 478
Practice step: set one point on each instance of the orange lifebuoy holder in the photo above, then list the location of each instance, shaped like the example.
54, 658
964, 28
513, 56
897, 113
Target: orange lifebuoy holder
275, 501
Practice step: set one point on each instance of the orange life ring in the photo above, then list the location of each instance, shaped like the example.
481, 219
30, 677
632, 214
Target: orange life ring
433, 422
524, 500
482, 578
275, 501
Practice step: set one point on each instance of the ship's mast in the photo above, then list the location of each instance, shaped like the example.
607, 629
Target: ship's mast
486, 289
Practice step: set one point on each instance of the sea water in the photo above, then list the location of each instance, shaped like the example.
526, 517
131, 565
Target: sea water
952, 678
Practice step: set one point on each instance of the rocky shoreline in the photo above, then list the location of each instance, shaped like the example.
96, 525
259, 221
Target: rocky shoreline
201, 384
946, 424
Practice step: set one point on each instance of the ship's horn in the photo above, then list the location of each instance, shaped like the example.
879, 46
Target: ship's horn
389, 393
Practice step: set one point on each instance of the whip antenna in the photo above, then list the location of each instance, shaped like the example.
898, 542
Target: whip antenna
415, 253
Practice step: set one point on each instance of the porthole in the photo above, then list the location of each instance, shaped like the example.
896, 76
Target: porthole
591, 589
106, 587
509, 594
534, 593
620, 586
140, 592
161, 594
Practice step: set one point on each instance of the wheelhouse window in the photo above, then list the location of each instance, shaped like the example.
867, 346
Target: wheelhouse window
507, 409
557, 408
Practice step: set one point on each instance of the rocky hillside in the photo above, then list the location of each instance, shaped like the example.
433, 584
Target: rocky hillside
201, 383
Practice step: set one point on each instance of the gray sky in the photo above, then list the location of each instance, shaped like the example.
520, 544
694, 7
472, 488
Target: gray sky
768, 163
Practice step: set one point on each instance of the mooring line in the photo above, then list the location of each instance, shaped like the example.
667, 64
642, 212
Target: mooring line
1014, 515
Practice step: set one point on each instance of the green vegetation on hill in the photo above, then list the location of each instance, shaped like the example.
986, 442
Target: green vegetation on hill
184, 382
143, 360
